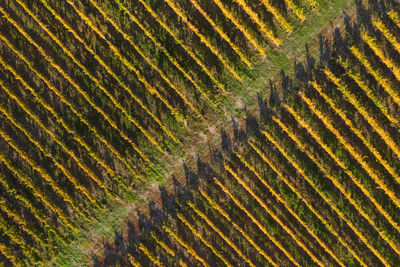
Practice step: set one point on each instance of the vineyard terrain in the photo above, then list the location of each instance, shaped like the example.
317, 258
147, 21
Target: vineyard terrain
105, 102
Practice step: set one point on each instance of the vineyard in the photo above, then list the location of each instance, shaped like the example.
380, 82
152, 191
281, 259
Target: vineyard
316, 185
100, 100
